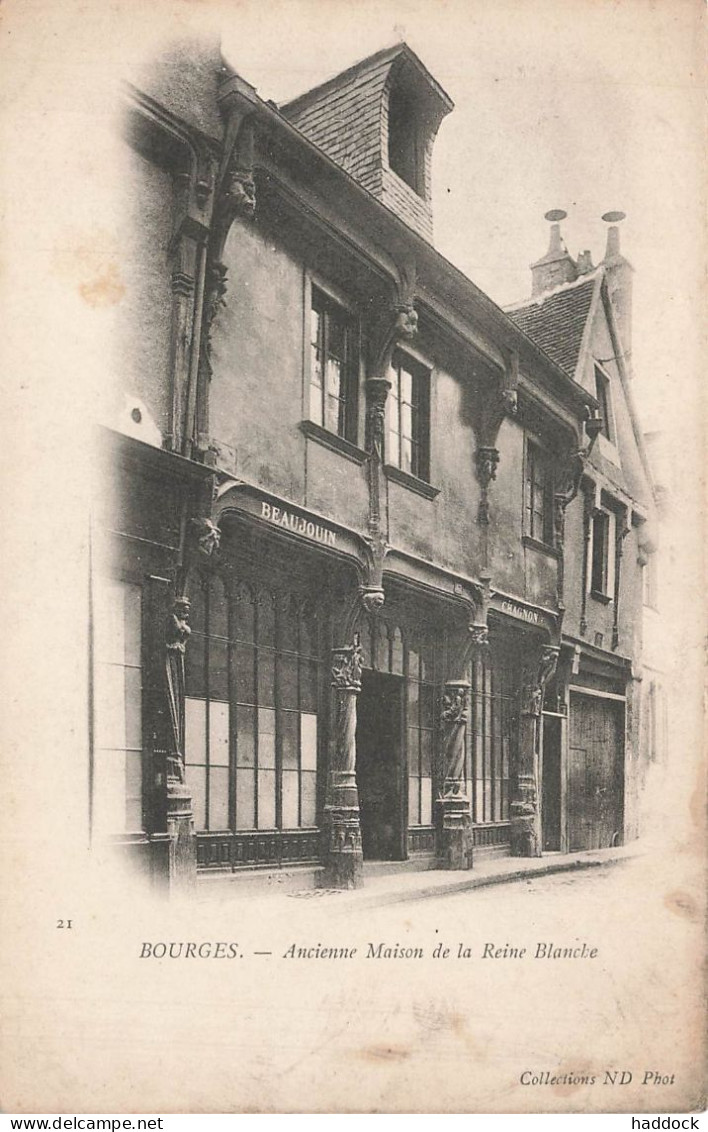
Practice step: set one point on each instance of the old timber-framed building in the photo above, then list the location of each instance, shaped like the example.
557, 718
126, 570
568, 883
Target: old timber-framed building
369, 568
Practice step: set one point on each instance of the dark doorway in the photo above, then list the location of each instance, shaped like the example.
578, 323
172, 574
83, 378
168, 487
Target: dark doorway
379, 770
551, 791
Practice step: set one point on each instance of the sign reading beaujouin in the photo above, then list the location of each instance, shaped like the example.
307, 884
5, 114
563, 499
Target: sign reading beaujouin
298, 524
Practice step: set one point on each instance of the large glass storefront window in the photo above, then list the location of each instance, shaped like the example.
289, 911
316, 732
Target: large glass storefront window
117, 799
493, 728
252, 708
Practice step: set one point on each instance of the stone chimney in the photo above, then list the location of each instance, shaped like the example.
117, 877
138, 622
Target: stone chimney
618, 273
557, 266
585, 264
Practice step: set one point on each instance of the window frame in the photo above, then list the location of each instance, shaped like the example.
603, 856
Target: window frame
603, 387
405, 151
329, 302
420, 405
258, 656
605, 590
100, 583
535, 457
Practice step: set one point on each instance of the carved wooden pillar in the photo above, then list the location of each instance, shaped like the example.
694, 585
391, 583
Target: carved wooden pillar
588, 511
455, 835
200, 537
525, 810
454, 840
182, 857
343, 860
621, 532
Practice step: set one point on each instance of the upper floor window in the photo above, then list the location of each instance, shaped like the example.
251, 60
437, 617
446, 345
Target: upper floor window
538, 503
404, 148
602, 392
334, 367
602, 575
408, 446
650, 582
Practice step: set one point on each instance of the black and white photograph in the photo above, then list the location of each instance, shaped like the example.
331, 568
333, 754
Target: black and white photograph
355, 504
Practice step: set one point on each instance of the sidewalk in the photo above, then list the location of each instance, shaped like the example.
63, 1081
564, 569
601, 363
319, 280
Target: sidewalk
398, 883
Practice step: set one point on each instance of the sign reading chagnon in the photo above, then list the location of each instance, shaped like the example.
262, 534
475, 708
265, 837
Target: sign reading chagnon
515, 610
297, 524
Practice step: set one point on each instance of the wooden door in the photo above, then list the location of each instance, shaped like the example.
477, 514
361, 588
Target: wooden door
595, 773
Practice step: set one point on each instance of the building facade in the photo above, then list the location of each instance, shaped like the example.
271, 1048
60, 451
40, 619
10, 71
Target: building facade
369, 549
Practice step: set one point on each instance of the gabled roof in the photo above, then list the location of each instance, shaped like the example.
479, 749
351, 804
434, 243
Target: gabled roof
556, 320
380, 60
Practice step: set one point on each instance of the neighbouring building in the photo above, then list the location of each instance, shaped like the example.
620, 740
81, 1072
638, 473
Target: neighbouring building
369, 550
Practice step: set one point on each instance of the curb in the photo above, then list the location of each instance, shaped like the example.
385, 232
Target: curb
429, 892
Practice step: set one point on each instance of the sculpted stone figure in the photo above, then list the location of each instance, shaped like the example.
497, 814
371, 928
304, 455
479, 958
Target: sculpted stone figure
208, 535
178, 632
240, 193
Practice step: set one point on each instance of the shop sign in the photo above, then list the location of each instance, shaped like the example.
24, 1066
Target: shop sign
280, 517
515, 610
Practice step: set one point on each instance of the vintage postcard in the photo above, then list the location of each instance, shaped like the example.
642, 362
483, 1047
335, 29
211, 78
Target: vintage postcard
354, 507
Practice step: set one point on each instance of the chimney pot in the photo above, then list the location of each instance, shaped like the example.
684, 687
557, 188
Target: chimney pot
612, 251
618, 273
557, 266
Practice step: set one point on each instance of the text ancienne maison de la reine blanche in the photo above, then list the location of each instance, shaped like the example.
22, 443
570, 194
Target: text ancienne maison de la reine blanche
206, 949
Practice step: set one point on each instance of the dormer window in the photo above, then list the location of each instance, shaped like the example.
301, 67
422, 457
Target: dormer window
404, 148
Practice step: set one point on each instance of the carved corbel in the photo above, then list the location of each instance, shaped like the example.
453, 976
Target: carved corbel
510, 384
235, 191
570, 476
398, 322
486, 459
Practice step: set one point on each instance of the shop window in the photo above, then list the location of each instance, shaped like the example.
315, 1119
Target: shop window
538, 502
422, 716
602, 392
408, 445
118, 756
251, 711
492, 727
602, 573
334, 367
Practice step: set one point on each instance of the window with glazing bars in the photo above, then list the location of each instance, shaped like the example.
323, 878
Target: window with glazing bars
602, 566
538, 502
602, 392
334, 367
252, 703
408, 446
492, 728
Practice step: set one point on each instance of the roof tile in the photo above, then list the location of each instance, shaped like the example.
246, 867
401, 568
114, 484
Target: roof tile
556, 322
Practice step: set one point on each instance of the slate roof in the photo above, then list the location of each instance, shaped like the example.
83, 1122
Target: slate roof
343, 116
556, 321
